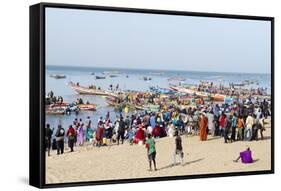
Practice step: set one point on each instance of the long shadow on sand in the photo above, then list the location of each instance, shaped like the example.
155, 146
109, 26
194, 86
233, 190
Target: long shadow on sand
186, 163
214, 138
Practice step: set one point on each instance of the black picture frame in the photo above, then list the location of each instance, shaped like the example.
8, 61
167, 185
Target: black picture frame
37, 92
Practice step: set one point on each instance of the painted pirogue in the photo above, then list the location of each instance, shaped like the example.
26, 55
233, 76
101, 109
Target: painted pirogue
215, 97
91, 91
62, 108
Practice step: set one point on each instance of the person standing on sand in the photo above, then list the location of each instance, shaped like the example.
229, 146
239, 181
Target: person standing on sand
71, 137
221, 123
227, 126
240, 126
99, 134
151, 151
249, 126
179, 149
48, 137
60, 139
233, 127
80, 134
203, 127
211, 124
121, 131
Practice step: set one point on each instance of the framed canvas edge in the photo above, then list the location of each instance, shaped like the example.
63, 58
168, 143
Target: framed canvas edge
37, 89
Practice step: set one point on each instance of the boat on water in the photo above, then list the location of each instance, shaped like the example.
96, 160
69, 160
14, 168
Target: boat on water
177, 79
100, 77
156, 73
57, 76
113, 76
148, 107
215, 97
111, 72
159, 90
91, 91
55, 111
87, 107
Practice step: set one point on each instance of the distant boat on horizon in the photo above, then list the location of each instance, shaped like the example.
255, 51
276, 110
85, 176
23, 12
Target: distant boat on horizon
58, 76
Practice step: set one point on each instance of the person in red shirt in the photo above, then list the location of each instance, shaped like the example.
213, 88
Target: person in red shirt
139, 135
71, 137
221, 123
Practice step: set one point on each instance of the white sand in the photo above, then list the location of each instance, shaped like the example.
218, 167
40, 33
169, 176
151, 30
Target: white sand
89, 163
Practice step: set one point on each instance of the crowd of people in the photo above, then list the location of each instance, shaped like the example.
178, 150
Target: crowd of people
239, 121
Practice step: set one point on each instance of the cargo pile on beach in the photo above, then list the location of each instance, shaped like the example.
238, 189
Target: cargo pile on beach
204, 125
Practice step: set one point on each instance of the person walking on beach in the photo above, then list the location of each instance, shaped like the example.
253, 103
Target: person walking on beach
178, 151
151, 151
48, 137
60, 139
71, 137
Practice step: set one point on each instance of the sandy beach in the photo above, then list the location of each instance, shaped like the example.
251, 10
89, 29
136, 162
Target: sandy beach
90, 163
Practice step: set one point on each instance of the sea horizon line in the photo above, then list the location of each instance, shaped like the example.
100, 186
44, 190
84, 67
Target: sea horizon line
152, 69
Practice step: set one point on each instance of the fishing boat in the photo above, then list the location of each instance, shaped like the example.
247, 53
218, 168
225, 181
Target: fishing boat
159, 90
100, 77
56, 106
55, 111
112, 76
215, 97
87, 107
111, 72
149, 107
57, 76
91, 91
177, 79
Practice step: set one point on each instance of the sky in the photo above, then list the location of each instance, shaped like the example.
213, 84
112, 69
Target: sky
148, 41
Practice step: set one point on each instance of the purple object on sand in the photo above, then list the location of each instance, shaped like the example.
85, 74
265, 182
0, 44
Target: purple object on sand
246, 156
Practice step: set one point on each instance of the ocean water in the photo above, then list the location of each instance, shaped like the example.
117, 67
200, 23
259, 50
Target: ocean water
133, 82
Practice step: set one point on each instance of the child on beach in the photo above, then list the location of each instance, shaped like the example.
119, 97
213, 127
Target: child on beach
179, 149
151, 151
